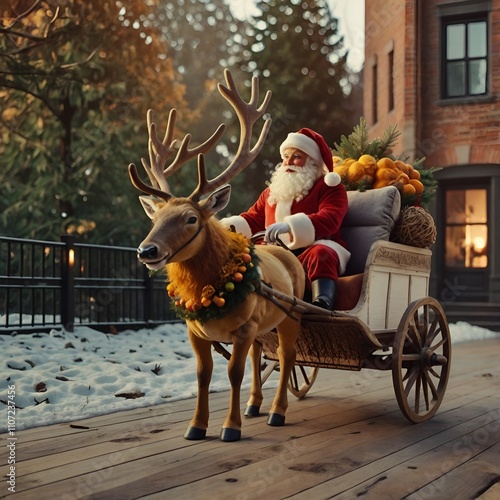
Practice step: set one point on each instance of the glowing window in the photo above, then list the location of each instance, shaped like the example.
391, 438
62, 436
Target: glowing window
466, 228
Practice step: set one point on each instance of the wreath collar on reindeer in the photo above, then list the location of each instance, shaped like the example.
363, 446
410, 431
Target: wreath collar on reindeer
237, 278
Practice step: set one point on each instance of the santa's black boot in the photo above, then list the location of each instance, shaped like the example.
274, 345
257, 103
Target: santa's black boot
323, 293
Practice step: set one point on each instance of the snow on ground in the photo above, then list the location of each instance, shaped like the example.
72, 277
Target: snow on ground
65, 376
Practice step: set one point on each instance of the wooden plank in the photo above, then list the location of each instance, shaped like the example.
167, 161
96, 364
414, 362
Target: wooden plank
419, 286
377, 302
397, 298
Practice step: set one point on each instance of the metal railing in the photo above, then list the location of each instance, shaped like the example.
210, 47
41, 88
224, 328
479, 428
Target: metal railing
48, 284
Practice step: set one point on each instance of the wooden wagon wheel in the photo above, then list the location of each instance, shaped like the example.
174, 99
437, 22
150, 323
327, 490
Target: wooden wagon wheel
421, 357
301, 380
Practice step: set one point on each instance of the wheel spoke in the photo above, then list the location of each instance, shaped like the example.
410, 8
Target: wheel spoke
425, 386
412, 377
425, 327
294, 382
413, 336
433, 331
267, 370
304, 374
442, 342
433, 372
417, 394
434, 391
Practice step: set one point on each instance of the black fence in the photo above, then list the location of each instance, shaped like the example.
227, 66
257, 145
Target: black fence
48, 284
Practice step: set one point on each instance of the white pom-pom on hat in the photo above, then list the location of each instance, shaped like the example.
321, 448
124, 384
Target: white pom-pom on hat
332, 179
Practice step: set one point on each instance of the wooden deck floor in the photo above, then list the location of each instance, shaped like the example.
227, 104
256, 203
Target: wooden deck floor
346, 439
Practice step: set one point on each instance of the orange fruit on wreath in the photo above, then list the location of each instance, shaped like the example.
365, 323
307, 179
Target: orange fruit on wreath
409, 190
405, 168
356, 171
367, 160
419, 187
414, 174
386, 162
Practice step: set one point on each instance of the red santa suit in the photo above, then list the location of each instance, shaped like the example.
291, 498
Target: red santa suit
314, 222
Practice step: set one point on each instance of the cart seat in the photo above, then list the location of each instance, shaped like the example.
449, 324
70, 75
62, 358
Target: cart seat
371, 217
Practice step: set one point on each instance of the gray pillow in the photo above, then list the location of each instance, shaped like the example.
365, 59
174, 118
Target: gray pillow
371, 217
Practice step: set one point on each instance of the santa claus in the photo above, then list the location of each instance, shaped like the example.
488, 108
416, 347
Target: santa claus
304, 205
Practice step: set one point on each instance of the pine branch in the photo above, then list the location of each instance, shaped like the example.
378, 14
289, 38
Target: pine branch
388, 140
355, 144
358, 143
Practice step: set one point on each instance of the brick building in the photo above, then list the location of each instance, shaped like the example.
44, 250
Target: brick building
433, 67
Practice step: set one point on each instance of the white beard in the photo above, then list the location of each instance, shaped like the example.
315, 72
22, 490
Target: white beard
286, 186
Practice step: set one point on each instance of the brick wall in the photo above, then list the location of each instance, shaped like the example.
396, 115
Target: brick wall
390, 26
460, 132
446, 133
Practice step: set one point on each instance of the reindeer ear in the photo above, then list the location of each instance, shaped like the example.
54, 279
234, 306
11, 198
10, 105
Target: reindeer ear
216, 201
150, 205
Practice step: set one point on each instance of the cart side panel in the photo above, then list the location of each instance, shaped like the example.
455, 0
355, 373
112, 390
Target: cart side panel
395, 275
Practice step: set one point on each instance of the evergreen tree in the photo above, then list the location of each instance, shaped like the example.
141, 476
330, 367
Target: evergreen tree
203, 38
295, 47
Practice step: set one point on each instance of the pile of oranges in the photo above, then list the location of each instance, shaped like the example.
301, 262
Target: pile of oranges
367, 172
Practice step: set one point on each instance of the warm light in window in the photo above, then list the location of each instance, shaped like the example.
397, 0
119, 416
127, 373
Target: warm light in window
466, 228
71, 257
479, 244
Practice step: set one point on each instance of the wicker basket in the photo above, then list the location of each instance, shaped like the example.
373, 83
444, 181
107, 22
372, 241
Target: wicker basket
415, 227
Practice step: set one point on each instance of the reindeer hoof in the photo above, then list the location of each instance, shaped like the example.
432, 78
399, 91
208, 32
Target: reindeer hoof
276, 420
252, 411
195, 434
227, 434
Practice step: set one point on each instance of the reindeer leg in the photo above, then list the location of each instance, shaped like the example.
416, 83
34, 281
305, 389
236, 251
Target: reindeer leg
255, 401
231, 429
197, 428
288, 331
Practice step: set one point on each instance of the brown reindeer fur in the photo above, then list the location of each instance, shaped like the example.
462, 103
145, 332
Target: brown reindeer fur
193, 274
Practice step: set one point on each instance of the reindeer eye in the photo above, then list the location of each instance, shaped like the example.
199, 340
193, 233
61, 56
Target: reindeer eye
192, 220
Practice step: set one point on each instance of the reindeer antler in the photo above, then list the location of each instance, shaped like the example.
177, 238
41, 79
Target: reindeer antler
248, 114
160, 151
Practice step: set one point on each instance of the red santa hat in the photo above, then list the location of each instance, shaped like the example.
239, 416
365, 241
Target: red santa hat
315, 146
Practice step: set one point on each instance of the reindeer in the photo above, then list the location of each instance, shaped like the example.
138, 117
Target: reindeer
194, 247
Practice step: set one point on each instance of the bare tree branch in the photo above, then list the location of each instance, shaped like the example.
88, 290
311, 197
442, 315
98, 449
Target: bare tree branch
24, 14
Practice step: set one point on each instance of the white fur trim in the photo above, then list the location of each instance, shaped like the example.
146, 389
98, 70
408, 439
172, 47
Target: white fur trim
239, 223
332, 179
304, 143
343, 254
283, 209
302, 230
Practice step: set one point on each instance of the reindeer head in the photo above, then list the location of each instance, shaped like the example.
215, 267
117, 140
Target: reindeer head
179, 224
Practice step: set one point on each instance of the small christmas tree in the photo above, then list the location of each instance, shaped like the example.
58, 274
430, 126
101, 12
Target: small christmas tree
358, 144
363, 164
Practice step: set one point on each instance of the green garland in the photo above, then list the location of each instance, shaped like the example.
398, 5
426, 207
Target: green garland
228, 293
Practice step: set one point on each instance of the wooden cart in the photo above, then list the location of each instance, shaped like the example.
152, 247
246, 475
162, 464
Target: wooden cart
392, 323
